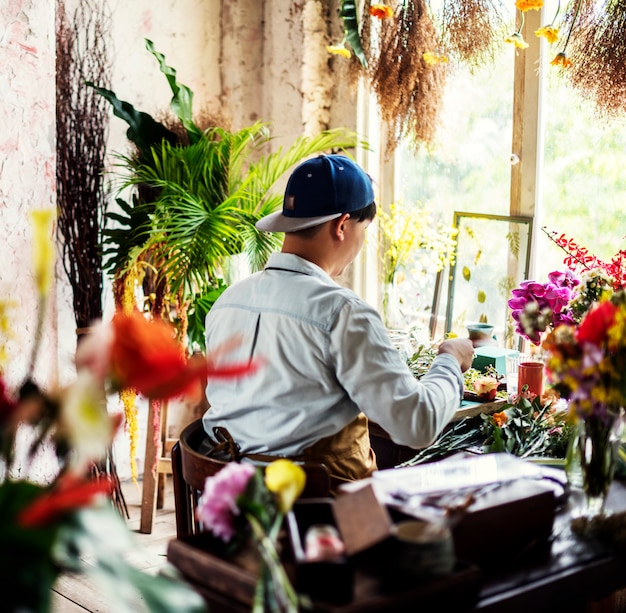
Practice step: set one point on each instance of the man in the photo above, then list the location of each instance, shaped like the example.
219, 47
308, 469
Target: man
329, 364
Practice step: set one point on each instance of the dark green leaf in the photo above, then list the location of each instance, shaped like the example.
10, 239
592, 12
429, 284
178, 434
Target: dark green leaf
351, 29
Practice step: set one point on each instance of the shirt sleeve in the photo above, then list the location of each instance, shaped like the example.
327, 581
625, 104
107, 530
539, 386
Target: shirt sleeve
371, 370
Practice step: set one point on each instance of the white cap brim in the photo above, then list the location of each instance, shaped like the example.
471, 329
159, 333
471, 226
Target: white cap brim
277, 222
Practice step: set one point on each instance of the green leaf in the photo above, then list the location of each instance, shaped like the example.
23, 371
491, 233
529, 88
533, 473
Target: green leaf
467, 273
348, 13
481, 296
143, 130
182, 100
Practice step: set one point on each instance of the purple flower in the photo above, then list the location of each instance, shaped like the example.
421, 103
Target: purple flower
217, 506
536, 306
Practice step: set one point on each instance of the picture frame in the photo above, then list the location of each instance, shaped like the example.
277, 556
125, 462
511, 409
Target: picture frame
491, 258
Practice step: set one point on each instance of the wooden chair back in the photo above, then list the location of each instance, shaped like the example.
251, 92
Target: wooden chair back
190, 469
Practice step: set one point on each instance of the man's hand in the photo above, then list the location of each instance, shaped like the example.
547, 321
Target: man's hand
461, 348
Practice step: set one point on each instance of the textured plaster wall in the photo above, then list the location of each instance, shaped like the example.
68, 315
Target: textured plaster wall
27, 170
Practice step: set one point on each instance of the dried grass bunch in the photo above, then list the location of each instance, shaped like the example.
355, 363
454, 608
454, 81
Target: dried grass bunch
409, 89
473, 31
597, 51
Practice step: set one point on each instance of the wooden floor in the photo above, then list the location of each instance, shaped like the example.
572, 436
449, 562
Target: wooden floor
77, 594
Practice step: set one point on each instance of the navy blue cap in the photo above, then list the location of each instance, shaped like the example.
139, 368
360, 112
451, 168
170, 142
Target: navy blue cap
318, 190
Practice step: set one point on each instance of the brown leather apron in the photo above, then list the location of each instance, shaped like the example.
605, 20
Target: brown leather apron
347, 454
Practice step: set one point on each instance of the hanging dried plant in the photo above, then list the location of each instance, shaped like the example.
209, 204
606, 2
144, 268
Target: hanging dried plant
597, 51
409, 88
473, 31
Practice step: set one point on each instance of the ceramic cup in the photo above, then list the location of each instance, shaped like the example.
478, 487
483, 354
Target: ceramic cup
425, 548
531, 374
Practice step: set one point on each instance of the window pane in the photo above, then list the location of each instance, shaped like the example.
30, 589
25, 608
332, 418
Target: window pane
467, 170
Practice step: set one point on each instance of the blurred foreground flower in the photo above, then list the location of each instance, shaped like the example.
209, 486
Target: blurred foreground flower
49, 528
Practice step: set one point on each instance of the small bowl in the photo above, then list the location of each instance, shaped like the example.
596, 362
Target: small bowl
425, 548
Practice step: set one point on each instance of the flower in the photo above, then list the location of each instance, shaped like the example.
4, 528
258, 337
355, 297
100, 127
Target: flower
517, 39
381, 11
242, 499
528, 5
527, 427
587, 363
550, 33
339, 49
536, 306
286, 480
217, 507
560, 59
486, 387
432, 58
51, 524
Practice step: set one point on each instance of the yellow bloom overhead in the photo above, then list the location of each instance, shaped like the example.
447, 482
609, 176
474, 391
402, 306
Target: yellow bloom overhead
432, 58
550, 33
517, 39
43, 249
286, 480
339, 50
529, 5
381, 11
560, 59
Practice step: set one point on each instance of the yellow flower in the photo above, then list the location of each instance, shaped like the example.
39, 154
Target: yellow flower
43, 249
84, 423
560, 59
286, 480
381, 11
432, 58
517, 39
550, 33
339, 49
528, 5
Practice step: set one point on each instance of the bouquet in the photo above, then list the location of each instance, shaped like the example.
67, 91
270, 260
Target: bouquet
48, 528
244, 502
567, 296
587, 363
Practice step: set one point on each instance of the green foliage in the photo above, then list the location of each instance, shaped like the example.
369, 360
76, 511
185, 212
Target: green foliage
526, 429
197, 312
196, 204
349, 16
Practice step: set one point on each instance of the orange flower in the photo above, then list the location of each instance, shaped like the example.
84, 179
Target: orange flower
381, 11
560, 59
145, 356
69, 494
500, 418
529, 5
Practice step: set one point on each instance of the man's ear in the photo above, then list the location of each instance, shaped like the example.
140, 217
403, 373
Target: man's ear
340, 224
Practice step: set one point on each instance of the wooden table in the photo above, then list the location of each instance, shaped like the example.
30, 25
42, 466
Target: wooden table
563, 573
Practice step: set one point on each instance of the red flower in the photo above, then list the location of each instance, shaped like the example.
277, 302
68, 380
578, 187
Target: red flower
597, 321
71, 493
147, 357
8, 406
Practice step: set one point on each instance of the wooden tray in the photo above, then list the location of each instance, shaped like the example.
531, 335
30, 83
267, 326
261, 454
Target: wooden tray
228, 584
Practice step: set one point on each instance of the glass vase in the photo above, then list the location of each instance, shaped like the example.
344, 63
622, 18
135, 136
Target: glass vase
599, 437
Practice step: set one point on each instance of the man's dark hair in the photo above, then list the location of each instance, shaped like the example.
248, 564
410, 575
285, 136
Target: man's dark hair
369, 212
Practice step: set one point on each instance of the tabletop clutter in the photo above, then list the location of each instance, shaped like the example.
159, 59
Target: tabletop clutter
415, 525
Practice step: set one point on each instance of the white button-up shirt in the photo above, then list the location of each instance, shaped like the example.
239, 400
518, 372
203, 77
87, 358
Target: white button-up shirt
326, 357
